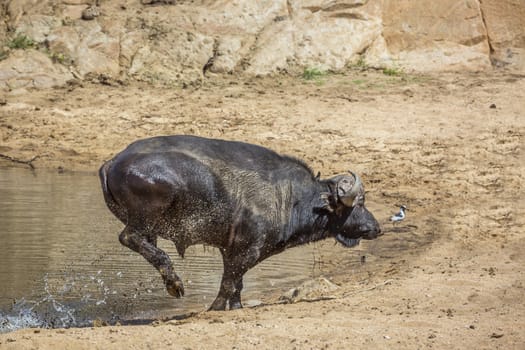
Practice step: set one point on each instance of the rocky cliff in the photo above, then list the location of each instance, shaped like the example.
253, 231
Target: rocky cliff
48, 42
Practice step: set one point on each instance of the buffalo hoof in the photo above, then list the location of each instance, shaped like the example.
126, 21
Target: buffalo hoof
218, 305
175, 288
235, 305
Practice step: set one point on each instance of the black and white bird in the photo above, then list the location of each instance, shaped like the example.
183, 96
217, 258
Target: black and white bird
399, 216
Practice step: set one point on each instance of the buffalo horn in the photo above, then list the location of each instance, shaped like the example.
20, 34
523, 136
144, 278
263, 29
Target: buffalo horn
350, 195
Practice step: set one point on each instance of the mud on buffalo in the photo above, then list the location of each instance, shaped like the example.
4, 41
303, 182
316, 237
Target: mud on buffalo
246, 200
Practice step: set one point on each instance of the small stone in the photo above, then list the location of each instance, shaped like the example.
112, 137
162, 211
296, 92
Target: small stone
493, 106
253, 303
99, 323
496, 335
90, 13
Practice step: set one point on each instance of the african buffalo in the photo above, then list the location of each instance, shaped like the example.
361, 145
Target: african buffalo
246, 200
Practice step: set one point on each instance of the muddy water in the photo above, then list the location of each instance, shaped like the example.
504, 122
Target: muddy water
61, 263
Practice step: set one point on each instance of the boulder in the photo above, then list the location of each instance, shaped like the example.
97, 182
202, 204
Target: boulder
177, 59
17, 9
426, 35
505, 21
31, 69
37, 27
97, 51
327, 36
88, 47
231, 49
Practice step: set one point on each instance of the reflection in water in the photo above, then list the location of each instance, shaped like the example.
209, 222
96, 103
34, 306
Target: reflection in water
62, 264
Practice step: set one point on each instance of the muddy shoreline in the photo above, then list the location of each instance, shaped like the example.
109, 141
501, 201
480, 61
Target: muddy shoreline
449, 146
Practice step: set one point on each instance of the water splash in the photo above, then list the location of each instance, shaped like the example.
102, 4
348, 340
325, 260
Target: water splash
75, 303
21, 316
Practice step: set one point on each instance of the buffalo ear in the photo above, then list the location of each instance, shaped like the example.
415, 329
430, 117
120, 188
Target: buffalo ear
329, 202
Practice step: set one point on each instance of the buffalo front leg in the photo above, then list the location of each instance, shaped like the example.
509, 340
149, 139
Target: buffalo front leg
235, 300
225, 291
235, 266
147, 247
229, 294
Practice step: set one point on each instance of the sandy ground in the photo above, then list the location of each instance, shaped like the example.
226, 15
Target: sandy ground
448, 146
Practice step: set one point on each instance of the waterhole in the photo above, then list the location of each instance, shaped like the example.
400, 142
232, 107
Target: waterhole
62, 265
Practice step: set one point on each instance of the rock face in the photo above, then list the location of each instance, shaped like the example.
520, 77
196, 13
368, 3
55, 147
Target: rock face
169, 42
505, 23
436, 35
326, 36
31, 69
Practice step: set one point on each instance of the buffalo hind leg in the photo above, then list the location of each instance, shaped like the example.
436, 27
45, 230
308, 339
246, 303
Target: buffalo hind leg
147, 247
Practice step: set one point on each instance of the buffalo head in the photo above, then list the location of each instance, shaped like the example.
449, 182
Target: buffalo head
349, 220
